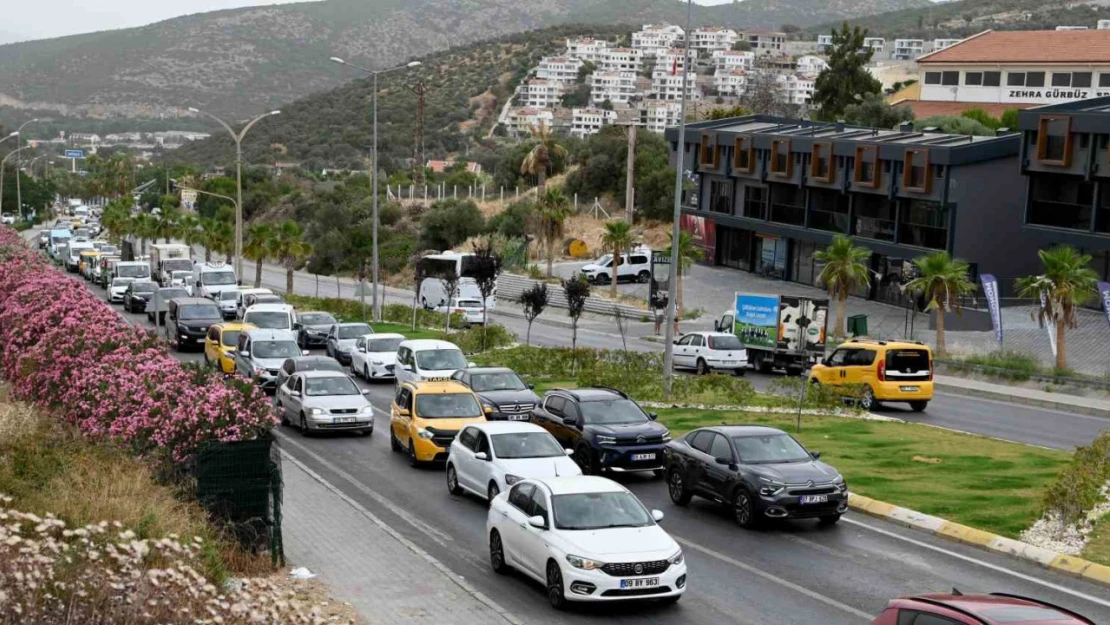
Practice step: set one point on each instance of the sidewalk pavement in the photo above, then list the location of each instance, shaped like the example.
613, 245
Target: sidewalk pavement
1026, 396
385, 576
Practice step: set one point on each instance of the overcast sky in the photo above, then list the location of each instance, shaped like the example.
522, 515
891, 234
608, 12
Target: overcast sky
39, 19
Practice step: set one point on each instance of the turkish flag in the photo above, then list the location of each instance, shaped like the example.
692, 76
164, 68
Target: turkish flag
674, 70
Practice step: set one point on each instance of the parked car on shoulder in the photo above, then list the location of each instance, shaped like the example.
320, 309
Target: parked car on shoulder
428, 360
634, 267
487, 458
879, 371
188, 320
137, 295
501, 389
956, 608
426, 416
605, 428
312, 328
585, 538
375, 355
261, 353
705, 352
760, 472
324, 401
342, 338
297, 364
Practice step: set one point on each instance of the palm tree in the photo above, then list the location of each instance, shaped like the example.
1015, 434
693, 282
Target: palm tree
845, 271
618, 238
210, 237
223, 239
288, 246
1066, 284
189, 229
542, 158
688, 253
257, 248
146, 228
554, 210
941, 279
168, 217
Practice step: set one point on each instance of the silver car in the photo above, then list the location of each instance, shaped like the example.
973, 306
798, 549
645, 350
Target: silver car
320, 401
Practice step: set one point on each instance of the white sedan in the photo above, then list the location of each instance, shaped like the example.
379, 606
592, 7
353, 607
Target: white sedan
487, 458
118, 288
471, 309
375, 356
585, 538
710, 351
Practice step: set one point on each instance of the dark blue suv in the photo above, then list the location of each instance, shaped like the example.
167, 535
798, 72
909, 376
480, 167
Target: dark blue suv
605, 429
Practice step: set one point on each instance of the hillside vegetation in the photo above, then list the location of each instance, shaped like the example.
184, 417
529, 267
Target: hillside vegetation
237, 62
964, 18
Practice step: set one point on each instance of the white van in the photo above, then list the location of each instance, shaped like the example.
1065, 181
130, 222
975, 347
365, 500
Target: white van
428, 359
270, 316
210, 279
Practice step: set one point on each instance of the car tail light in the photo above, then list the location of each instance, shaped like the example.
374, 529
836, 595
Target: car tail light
930, 369
882, 371
459, 311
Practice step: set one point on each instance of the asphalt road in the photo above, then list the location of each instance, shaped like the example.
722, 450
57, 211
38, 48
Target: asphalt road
787, 574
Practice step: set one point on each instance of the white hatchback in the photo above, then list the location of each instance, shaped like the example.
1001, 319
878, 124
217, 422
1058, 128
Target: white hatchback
585, 538
487, 458
472, 311
710, 351
375, 355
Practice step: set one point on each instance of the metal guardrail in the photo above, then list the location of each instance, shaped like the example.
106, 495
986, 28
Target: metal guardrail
1039, 377
511, 286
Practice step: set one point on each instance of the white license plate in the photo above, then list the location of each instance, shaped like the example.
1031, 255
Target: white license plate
729, 363
638, 457
909, 389
200, 340
646, 582
344, 419
516, 417
815, 499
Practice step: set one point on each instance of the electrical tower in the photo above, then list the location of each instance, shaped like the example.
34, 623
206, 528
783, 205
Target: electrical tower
421, 91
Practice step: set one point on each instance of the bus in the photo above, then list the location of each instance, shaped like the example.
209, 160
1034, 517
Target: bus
433, 293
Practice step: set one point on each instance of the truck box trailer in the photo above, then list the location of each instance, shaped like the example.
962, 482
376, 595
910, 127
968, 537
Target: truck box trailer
779, 331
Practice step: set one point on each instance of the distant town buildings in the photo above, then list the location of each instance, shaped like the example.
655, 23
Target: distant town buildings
560, 69
537, 93
587, 48
653, 38
711, 39
614, 87
810, 64
731, 59
524, 120
621, 60
589, 121
730, 82
765, 41
441, 166
908, 49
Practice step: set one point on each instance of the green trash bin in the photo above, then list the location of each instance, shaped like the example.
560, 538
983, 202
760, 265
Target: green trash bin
857, 325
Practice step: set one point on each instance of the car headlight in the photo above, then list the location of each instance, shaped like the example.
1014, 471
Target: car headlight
666, 437
677, 558
315, 411
425, 434
840, 483
770, 487
587, 564
377, 362
368, 410
606, 440
512, 479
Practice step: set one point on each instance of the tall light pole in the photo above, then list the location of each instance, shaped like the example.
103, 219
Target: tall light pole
19, 165
238, 138
3, 165
377, 311
31, 165
672, 284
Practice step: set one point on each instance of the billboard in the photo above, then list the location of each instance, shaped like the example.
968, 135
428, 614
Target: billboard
75, 154
757, 319
797, 314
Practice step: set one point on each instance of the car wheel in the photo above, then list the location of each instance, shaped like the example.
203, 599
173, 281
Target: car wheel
366, 372
677, 489
497, 554
743, 509
394, 444
453, 480
413, 460
492, 492
741, 371
207, 362
829, 519
585, 459
601, 279
304, 426
555, 595
703, 367
867, 400
918, 406
643, 277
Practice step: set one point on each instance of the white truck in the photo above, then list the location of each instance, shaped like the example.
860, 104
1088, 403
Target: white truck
778, 331
135, 269
166, 258
211, 279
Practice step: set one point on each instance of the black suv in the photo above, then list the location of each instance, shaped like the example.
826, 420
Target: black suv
760, 472
188, 320
605, 428
502, 390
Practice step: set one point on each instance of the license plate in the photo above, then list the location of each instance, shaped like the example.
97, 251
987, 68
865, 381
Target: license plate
909, 389
517, 417
815, 499
200, 340
645, 582
638, 457
729, 363
344, 419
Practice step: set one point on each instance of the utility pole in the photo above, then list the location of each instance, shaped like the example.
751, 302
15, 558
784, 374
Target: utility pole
629, 186
421, 91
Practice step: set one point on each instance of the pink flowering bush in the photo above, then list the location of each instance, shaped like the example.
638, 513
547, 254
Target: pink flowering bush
64, 349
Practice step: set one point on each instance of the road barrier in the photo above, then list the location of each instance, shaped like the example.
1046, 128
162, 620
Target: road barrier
511, 286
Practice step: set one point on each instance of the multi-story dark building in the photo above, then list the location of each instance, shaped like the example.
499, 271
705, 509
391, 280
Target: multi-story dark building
763, 194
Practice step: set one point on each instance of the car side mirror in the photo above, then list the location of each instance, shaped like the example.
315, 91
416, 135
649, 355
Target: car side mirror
531, 387
366, 391
570, 421
471, 364
488, 410
407, 367
294, 393
657, 515
653, 416
537, 522
362, 350
481, 455
304, 352
723, 460
245, 354
402, 412
569, 452
816, 455
297, 325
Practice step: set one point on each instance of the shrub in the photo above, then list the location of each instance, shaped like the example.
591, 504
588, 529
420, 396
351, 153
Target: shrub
449, 223
1077, 489
517, 220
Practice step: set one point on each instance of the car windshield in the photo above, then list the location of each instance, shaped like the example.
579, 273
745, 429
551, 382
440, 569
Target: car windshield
526, 445
604, 260
180, 275
1024, 614
612, 411
338, 385
217, 278
440, 359
500, 381
591, 511
354, 331
276, 349
318, 364
231, 337
200, 311
168, 294
229, 295
122, 281
109, 249
268, 299
468, 303
447, 405
316, 319
177, 264
379, 346
273, 320
133, 271
142, 287
725, 342
769, 448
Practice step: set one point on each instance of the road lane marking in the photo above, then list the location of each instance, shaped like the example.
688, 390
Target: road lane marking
776, 579
994, 567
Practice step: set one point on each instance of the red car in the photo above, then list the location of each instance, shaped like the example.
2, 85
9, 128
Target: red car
960, 609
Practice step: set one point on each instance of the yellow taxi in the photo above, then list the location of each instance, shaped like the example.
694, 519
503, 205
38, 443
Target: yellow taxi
426, 416
221, 343
880, 371
85, 265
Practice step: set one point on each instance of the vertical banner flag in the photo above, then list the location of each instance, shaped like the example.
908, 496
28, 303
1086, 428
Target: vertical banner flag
990, 290
1050, 327
1104, 295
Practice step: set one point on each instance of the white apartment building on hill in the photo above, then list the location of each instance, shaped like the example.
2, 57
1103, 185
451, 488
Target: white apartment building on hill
616, 87
728, 60
713, 38
797, 88
810, 64
537, 93
765, 41
587, 48
907, 49
666, 86
670, 61
653, 38
561, 69
524, 120
730, 82
621, 60
659, 116
940, 44
590, 121
878, 44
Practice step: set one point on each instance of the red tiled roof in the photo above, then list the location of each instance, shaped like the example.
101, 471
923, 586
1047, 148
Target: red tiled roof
923, 108
1028, 46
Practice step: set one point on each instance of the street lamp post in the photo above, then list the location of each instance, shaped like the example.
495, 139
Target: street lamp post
672, 284
377, 311
19, 166
31, 165
238, 138
3, 164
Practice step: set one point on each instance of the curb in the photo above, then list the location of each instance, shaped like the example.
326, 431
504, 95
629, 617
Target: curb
1062, 406
1059, 562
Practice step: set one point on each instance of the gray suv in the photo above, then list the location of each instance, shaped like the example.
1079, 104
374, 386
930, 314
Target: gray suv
261, 353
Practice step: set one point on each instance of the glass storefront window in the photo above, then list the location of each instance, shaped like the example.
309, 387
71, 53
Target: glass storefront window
924, 224
1061, 201
755, 202
828, 210
874, 215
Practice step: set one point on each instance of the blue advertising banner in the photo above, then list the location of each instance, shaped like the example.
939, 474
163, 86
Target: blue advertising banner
757, 319
1104, 295
75, 154
990, 291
